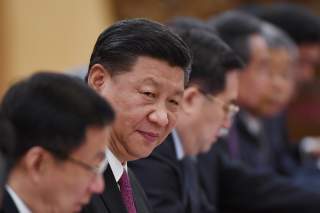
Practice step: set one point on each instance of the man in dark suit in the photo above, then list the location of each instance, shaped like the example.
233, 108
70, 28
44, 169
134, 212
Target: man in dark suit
303, 26
59, 137
237, 187
169, 174
142, 68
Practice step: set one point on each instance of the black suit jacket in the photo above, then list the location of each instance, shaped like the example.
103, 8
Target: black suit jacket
162, 177
8, 206
110, 200
234, 187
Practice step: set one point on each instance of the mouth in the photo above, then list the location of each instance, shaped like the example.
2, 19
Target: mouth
150, 137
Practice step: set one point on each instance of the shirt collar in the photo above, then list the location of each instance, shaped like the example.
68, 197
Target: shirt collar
177, 145
115, 165
21, 206
253, 123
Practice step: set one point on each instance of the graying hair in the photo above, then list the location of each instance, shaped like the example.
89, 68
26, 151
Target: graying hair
277, 38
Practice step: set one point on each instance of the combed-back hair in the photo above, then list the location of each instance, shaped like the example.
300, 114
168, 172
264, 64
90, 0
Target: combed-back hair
276, 38
236, 29
300, 23
118, 47
212, 58
180, 24
53, 111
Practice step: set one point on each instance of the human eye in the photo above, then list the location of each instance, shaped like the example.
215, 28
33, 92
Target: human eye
148, 94
174, 102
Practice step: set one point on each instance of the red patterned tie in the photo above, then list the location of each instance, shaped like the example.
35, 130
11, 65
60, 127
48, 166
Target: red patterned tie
126, 192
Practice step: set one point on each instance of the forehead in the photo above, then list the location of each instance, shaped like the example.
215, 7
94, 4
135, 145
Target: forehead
258, 46
155, 72
311, 51
280, 56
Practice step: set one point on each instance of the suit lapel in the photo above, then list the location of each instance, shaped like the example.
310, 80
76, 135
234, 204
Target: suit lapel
111, 195
138, 194
8, 206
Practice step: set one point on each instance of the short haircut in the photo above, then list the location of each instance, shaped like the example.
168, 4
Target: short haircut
53, 111
182, 23
278, 39
118, 47
212, 58
297, 21
236, 29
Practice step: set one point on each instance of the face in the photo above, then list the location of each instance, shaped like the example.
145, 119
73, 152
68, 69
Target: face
211, 115
146, 100
255, 79
282, 81
66, 185
308, 61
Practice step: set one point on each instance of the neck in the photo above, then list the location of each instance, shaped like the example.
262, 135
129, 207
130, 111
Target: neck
26, 191
115, 149
186, 138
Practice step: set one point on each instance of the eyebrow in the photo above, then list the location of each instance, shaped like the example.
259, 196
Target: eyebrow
151, 80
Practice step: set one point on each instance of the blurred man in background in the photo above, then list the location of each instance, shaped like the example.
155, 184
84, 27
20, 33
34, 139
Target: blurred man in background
301, 118
229, 184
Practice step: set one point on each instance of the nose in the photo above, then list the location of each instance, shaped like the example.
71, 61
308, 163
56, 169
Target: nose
97, 185
160, 117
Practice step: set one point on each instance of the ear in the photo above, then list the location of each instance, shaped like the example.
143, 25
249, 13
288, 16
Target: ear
191, 100
98, 76
35, 162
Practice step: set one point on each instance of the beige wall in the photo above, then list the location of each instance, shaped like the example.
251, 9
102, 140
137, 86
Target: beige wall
48, 34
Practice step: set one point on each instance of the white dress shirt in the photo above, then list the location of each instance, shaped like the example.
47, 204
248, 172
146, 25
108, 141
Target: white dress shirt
21, 206
116, 166
177, 145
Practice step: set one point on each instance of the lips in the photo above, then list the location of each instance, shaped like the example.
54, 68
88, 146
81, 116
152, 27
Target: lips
151, 137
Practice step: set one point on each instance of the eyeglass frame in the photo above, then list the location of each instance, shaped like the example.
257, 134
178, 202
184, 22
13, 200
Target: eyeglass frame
229, 108
98, 170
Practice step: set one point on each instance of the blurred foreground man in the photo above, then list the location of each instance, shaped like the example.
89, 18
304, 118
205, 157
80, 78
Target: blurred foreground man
169, 176
142, 68
62, 134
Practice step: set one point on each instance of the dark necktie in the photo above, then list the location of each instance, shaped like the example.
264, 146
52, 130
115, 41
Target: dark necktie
126, 192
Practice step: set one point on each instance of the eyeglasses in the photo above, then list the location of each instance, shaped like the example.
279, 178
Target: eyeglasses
98, 170
229, 108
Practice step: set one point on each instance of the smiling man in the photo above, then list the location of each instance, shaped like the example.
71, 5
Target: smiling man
58, 137
142, 68
169, 174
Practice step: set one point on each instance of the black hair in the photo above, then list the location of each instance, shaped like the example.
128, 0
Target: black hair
212, 58
118, 47
53, 111
236, 29
180, 24
300, 23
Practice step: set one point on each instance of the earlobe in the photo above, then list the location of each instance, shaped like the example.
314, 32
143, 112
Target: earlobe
35, 162
97, 77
